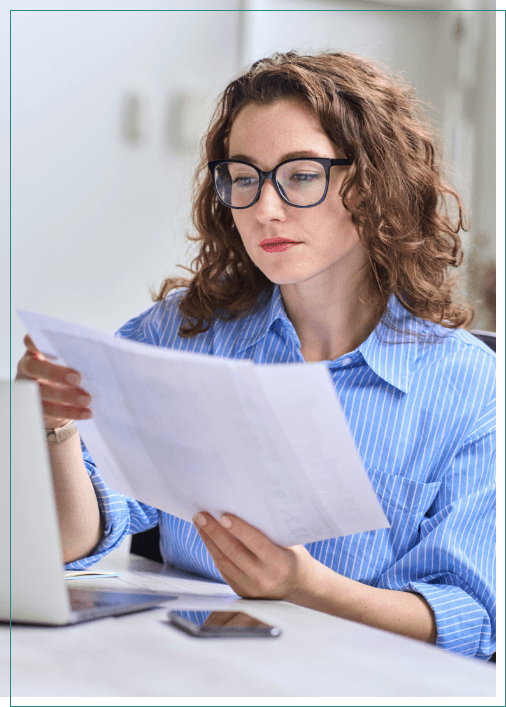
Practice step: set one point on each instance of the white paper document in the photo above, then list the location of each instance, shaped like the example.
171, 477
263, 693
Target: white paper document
186, 432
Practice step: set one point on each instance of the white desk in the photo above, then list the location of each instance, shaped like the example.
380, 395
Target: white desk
140, 655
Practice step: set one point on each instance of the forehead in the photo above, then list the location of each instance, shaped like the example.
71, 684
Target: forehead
268, 132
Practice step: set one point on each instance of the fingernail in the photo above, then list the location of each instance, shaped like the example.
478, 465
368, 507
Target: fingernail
85, 415
199, 519
83, 399
225, 522
73, 378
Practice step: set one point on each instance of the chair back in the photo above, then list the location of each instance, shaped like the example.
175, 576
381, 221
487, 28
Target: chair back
488, 337
147, 544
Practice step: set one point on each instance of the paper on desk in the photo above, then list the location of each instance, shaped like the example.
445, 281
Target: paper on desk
185, 432
89, 574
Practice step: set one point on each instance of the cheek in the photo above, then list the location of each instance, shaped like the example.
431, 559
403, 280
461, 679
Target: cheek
236, 220
343, 215
244, 225
335, 218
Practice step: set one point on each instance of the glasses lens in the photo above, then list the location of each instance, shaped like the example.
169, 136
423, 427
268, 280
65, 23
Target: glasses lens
236, 183
302, 182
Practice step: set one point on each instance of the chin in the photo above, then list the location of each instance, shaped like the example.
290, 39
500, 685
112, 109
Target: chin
279, 279
286, 280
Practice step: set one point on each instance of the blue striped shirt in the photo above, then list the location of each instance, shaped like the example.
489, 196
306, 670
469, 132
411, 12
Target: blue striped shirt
420, 404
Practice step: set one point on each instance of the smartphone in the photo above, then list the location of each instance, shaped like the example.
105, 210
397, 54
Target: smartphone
222, 624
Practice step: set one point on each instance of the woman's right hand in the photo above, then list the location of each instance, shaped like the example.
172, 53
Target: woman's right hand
62, 398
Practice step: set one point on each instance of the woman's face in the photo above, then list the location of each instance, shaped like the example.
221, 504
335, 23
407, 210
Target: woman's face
327, 241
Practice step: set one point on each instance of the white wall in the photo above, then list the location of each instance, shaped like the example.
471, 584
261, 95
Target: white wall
397, 38
97, 220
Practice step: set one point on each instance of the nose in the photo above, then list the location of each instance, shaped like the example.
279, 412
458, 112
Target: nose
270, 206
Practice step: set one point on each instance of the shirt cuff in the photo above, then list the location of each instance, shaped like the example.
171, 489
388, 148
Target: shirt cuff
463, 625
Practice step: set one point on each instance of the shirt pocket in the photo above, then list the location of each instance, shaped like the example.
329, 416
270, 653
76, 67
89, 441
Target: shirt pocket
405, 503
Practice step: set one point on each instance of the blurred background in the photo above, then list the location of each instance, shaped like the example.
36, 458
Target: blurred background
108, 108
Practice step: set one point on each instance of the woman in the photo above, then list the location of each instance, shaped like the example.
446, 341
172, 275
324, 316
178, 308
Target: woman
325, 235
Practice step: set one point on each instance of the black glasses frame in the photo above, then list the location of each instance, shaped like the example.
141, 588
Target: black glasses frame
326, 163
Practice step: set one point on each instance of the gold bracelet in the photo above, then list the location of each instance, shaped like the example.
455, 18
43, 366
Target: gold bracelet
60, 434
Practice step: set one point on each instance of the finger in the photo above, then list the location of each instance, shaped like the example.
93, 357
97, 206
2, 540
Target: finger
29, 344
65, 395
241, 589
232, 548
64, 412
231, 573
33, 349
65, 402
40, 369
252, 538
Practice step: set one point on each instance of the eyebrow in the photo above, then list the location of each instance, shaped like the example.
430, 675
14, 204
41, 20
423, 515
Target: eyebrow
288, 156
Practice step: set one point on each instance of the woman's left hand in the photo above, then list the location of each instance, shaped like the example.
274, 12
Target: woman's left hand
252, 564
256, 568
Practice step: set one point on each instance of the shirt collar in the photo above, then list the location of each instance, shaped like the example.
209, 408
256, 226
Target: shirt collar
390, 350
256, 325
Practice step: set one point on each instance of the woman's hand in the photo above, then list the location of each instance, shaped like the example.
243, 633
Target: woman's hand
62, 398
256, 568
252, 564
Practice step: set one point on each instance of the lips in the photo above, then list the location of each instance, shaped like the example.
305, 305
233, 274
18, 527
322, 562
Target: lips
278, 246
275, 241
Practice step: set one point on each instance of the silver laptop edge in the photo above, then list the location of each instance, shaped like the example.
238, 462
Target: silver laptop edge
39, 591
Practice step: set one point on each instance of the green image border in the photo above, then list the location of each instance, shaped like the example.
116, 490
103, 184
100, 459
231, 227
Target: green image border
501, 498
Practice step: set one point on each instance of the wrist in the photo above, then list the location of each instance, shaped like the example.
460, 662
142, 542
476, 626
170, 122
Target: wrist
307, 579
59, 434
54, 423
321, 588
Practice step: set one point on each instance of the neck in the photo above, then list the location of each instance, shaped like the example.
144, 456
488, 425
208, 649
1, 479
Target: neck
331, 318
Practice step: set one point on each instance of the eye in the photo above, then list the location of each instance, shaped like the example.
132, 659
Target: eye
304, 178
246, 181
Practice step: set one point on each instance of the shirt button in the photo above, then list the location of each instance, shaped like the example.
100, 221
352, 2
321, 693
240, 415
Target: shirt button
346, 361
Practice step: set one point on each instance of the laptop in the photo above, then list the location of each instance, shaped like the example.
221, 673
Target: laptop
35, 590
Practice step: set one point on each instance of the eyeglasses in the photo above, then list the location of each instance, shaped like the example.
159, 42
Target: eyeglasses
302, 183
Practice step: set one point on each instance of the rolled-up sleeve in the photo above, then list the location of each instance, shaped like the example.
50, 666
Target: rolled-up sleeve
453, 565
122, 516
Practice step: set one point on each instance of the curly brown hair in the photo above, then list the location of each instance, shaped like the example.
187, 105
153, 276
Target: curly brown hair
401, 205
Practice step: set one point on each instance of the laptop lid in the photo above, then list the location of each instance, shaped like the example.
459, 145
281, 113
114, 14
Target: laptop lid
38, 587
39, 592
